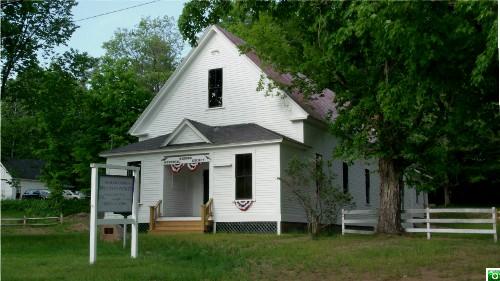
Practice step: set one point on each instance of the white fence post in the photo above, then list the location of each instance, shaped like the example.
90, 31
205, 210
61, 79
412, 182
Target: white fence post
428, 219
343, 225
494, 217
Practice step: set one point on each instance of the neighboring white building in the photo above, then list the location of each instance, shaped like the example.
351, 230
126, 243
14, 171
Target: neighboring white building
26, 172
236, 143
7, 190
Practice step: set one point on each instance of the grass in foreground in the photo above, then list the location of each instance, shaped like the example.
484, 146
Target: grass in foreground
64, 256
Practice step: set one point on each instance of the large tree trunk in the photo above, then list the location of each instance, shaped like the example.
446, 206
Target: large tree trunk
446, 190
389, 218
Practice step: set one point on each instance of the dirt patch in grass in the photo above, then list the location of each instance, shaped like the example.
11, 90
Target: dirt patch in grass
77, 222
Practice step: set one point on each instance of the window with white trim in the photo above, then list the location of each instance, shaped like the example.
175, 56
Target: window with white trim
367, 186
215, 88
345, 177
243, 176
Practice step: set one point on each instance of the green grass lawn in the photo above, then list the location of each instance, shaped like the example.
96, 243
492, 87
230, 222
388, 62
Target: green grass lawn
64, 256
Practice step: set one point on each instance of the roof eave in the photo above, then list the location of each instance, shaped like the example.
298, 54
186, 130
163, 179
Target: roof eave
203, 146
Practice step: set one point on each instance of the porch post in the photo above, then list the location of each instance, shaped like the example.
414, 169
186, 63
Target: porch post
278, 227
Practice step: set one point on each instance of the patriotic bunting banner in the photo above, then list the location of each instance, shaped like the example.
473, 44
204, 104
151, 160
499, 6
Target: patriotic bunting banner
243, 205
192, 166
176, 167
176, 163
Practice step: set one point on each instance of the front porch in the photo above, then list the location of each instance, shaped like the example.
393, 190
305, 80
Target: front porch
165, 224
185, 205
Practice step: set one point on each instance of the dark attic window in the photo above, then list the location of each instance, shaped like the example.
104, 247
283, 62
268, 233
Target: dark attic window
215, 88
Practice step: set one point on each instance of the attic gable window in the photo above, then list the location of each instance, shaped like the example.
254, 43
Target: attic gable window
215, 88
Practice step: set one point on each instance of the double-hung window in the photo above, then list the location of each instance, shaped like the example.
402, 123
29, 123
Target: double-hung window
243, 174
367, 186
345, 177
215, 88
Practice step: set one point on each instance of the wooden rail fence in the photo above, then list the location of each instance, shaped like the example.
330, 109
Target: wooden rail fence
26, 221
423, 217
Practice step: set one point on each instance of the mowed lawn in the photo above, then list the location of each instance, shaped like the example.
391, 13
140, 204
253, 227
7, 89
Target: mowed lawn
64, 256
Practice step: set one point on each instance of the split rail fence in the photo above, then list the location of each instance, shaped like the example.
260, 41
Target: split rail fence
27, 221
411, 219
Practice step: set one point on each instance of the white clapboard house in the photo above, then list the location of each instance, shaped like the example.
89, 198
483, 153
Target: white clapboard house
212, 147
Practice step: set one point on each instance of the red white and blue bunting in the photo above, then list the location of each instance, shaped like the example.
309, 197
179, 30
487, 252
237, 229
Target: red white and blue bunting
175, 168
176, 163
192, 166
243, 205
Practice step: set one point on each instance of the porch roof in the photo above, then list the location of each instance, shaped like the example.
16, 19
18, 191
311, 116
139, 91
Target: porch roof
218, 135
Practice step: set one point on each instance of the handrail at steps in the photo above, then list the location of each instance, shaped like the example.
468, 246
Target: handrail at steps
206, 213
154, 213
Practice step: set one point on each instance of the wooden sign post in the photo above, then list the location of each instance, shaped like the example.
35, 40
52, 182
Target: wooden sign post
113, 193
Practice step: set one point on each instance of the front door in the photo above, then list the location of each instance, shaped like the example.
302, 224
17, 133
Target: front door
205, 186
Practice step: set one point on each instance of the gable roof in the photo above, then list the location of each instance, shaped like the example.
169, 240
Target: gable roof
186, 123
30, 169
319, 107
217, 135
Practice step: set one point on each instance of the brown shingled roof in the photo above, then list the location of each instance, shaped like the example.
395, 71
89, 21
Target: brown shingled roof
320, 106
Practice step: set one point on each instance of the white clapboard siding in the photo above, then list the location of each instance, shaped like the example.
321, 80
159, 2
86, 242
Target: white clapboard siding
151, 180
266, 185
322, 142
188, 98
154, 179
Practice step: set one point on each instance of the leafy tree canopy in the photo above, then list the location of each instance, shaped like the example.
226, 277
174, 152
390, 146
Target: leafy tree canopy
153, 47
31, 27
408, 76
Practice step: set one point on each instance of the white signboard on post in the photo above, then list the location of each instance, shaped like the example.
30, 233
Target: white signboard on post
110, 193
115, 194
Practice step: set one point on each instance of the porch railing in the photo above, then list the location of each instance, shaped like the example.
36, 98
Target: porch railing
154, 213
206, 213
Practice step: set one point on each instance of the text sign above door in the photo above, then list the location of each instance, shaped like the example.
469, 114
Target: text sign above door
189, 159
115, 194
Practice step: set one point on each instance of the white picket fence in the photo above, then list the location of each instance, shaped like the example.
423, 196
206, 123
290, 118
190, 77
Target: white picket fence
409, 217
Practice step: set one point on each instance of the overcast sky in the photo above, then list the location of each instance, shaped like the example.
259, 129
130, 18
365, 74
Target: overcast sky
93, 32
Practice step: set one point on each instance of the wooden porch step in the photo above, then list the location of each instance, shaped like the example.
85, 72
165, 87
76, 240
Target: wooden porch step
178, 226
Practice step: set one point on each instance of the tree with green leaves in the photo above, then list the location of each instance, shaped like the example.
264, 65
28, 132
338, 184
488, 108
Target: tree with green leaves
31, 27
404, 74
153, 48
114, 101
312, 186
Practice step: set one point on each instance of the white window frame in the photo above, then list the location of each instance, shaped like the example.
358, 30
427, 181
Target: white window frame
208, 90
252, 152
